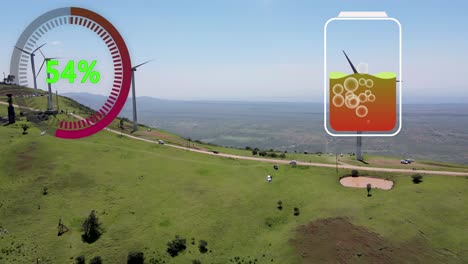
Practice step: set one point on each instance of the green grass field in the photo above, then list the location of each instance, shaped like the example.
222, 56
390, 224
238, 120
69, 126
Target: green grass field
146, 194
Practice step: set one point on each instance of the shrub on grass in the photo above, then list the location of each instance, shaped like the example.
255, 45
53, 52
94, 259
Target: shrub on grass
25, 128
282, 155
417, 178
280, 205
354, 173
262, 153
96, 260
176, 246
273, 155
135, 258
196, 261
296, 211
80, 260
254, 152
202, 246
91, 228
45, 191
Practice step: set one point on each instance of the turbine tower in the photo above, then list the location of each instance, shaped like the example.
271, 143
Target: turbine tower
135, 124
358, 139
50, 105
31, 55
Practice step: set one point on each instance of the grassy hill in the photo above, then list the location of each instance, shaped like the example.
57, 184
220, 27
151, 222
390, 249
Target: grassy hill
146, 194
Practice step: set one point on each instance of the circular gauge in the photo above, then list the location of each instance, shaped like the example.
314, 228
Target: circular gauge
122, 70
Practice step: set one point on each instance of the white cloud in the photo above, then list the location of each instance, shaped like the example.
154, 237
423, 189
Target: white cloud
56, 43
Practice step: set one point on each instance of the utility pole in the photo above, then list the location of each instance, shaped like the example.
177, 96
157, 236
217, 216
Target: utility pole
336, 161
56, 97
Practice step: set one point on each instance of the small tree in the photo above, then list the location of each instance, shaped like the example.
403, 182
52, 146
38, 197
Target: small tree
369, 187
91, 228
135, 258
262, 153
10, 79
96, 260
202, 246
176, 246
80, 260
417, 178
248, 148
296, 211
254, 152
25, 128
121, 124
354, 173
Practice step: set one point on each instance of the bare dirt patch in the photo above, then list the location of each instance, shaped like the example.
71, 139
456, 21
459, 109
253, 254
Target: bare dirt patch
361, 182
336, 240
25, 157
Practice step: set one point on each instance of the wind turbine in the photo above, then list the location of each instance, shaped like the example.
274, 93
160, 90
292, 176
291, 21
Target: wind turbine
49, 86
358, 138
135, 124
31, 55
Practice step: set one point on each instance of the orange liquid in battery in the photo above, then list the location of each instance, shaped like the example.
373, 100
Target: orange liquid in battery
363, 102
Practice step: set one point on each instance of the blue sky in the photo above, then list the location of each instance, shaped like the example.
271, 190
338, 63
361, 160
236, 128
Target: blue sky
256, 49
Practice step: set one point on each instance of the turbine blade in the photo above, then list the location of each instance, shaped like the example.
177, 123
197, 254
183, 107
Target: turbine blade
23, 51
38, 47
42, 65
350, 63
42, 53
141, 64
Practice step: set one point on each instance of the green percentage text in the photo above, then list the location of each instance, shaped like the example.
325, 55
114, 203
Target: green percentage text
53, 75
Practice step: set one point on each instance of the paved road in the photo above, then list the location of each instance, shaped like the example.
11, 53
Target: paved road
276, 161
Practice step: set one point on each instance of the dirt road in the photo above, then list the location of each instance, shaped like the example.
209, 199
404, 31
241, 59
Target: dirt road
276, 161
313, 164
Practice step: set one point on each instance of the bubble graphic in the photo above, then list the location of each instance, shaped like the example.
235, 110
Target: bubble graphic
352, 101
338, 88
338, 100
351, 84
371, 98
363, 68
362, 81
362, 97
348, 94
361, 111
369, 83
368, 92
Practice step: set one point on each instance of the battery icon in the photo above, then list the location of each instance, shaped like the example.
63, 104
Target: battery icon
363, 90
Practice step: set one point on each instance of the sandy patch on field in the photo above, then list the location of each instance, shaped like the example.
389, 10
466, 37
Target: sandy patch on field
361, 182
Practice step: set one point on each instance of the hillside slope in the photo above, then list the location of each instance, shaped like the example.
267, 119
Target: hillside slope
146, 194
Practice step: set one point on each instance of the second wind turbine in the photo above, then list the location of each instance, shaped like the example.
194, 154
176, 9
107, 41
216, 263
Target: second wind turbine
135, 123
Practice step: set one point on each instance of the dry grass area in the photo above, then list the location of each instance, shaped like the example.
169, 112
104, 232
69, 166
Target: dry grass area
337, 240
